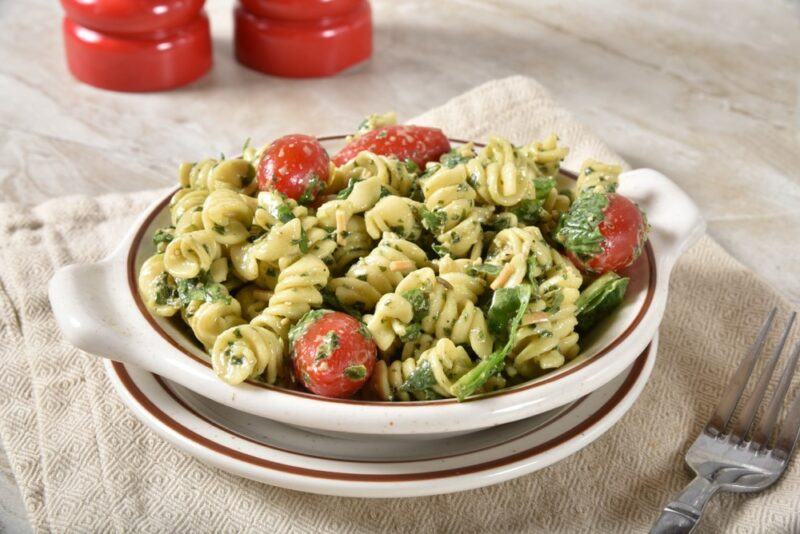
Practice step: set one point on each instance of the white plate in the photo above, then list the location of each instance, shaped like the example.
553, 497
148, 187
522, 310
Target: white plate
282, 455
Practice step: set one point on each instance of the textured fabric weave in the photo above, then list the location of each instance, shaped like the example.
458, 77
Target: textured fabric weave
84, 462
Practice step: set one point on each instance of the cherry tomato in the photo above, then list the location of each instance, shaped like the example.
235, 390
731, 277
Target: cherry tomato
417, 143
333, 353
296, 165
624, 232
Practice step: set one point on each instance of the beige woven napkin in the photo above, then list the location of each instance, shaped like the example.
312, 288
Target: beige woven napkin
84, 462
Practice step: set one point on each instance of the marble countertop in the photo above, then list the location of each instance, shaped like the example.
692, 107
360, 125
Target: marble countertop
708, 95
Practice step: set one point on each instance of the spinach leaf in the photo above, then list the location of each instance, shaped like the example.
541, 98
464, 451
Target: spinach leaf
527, 210
419, 302
578, 229
478, 375
433, 220
453, 158
543, 186
421, 380
313, 188
599, 299
505, 303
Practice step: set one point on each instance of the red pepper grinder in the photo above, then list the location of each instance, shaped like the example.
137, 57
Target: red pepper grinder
302, 38
136, 45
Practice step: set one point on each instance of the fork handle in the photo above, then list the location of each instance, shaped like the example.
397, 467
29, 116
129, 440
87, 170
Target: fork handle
683, 513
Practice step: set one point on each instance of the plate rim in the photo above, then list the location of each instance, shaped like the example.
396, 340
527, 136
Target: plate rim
479, 474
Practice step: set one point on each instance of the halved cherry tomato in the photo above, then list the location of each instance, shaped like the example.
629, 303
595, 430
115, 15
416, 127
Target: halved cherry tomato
296, 165
417, 143
333, 353
624, 232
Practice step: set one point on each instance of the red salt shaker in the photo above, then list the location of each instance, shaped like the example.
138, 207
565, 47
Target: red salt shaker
136, 45
302, 38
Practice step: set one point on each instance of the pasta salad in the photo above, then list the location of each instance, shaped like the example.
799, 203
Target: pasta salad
400, 269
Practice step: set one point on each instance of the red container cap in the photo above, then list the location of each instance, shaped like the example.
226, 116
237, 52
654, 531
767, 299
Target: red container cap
137, 46
302, 39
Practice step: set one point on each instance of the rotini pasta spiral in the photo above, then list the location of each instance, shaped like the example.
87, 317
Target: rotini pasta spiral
499, 178
546, 156
247, 351
283, 244
547, 336
597, 176
188, 254
356, 243
389, 172
450, 213
156, 286
297, 290
446, 361
186, 209
228, 215
378, 272
394, 214
236, 174
511, 250
209, 319
253, 300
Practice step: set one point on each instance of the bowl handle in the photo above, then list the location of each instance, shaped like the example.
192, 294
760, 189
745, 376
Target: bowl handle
87, 311
675, 220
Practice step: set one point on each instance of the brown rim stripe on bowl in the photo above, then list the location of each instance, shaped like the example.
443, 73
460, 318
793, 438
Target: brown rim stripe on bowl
186, 433
168, 389
649, 256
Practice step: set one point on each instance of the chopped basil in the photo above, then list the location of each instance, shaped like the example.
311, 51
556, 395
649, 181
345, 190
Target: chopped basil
411, 333
164, 235
421, 379
166, 291
305, 322
411, 166
527, 211
219, 229
441, 250
328, 345
201, 288
482, 268
313, 188
355, 372
302, 242
543, 185
453, 158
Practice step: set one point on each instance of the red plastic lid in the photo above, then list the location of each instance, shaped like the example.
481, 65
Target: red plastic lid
138, 65
132, 16
285, 40
300, 9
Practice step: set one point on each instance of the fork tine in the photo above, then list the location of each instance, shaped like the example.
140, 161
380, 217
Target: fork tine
767, 425
790, 431
730, 398
745, 422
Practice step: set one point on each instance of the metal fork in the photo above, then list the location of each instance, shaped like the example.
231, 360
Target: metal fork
725, 456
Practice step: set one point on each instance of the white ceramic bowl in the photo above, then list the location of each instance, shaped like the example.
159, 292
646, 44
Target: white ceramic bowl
99, 310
